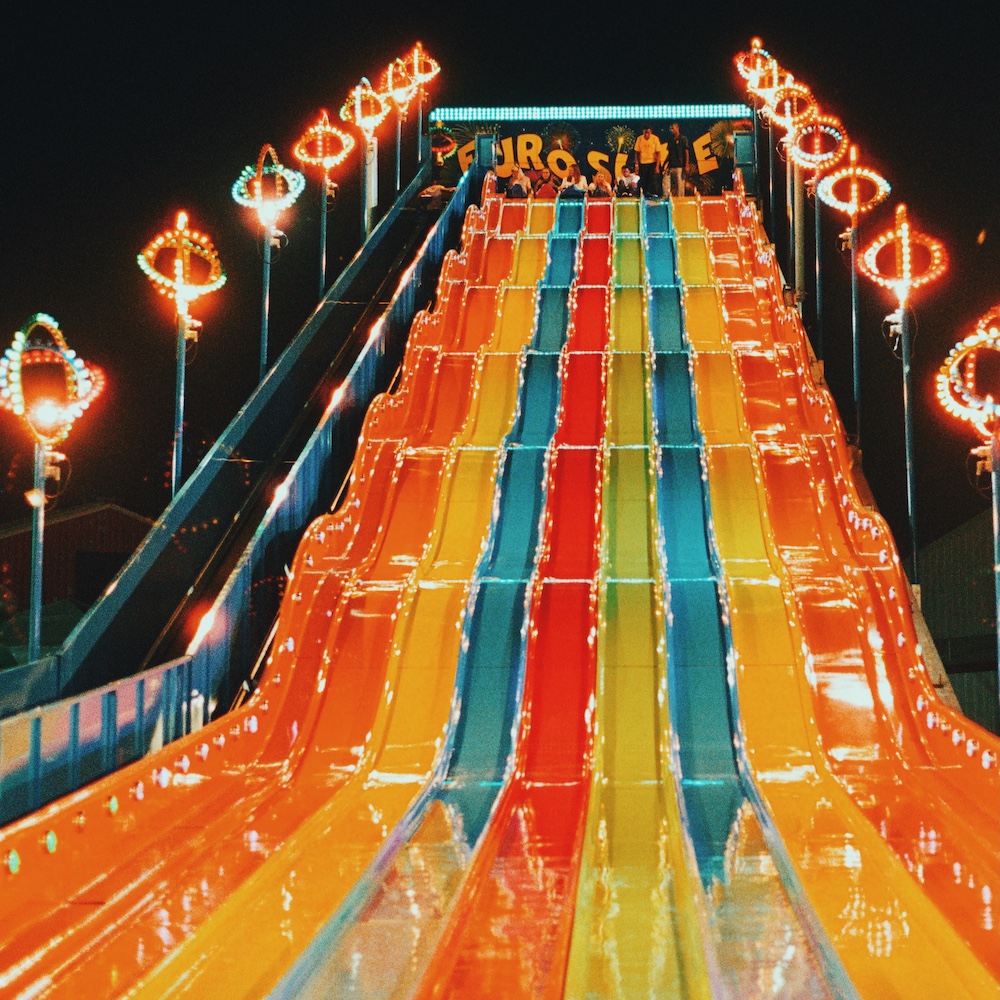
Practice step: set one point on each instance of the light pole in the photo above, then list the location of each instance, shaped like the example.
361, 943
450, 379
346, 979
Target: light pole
424, 69
183, 283
819, 145
366, 110
960, 396
400, 87
268, 188
45, 384
905, 276
322, 145
790, 106
864, 189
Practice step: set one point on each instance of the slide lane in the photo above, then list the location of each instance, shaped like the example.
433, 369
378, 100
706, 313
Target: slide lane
177, 860
940, 816
509, 932
888, 933
636, 929
755, 937
380, 941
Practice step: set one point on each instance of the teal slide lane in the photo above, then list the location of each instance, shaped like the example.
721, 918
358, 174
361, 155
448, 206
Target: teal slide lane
763, 925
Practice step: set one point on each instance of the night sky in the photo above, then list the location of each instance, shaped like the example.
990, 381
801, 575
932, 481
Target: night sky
114, 121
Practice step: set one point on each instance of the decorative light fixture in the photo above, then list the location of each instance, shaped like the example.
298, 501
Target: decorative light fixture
268, 188
399, 84
424, 69
790, 106
818, 145
902, 280
49, 411
960, 396
854, 190
366, 109
324, 146
182, 283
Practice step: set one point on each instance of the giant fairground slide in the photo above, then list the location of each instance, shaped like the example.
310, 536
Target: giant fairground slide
597, 679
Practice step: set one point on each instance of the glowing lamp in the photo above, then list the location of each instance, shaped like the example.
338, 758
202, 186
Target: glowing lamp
49, 406
749, 64
181, 278
853, 190
323, 145
268, 187
365, 108
399, 84
956, 381
818, 144
906, 275
423, 67
769, 79
790, 106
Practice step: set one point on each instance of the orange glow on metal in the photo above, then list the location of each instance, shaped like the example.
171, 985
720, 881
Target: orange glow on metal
399, 84
323, 145
181, 284
904, 238
251, 191
956, 379
819, 144
40, 342
365, 108
858, 201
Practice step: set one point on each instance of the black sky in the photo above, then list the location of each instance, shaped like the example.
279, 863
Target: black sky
117, 118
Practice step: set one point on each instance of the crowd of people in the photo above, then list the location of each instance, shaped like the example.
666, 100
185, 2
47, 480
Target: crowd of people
659, 168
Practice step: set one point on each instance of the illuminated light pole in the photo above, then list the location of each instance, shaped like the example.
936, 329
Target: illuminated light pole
195, 270
904, 278
45, 384
854, 190
749, 65
423, 70
819, 145
400, 87
790, 106
763, 84
958, 394
268, 188
366, 109
322, 145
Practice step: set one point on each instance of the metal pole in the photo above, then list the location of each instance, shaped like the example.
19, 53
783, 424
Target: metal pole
177, 463
420, 125
799, 213
322, 235
770, 180
37, 538
364, 192
819, 274
756, 152
265, 299
790, 219
995, 481
855, 333
399, 145
911, 495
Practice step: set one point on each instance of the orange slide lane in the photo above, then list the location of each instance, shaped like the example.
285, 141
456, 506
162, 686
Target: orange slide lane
132, 866
881, 920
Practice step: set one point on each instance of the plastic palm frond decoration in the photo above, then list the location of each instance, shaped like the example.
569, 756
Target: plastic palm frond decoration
721, 138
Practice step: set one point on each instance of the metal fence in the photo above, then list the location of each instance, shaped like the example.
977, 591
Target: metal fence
49, 751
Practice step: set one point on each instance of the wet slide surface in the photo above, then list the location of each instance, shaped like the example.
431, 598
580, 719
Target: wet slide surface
598, 683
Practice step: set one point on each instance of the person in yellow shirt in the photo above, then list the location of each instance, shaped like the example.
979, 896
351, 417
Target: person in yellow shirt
647, 160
